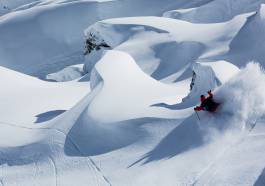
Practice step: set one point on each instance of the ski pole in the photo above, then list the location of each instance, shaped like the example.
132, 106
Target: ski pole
197, 115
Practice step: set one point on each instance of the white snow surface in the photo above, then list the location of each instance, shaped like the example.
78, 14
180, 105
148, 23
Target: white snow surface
124, 116
209, 76
67, 74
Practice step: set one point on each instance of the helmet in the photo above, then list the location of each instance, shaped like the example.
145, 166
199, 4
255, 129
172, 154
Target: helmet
202, 98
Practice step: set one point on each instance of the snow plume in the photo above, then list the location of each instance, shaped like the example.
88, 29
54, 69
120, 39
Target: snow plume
243, 95
242, 100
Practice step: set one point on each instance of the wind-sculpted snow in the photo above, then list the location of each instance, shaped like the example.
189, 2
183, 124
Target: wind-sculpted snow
168, 46
123, 85
245, 46
210, 75
135, 125
48, 36
215, 11
206, 76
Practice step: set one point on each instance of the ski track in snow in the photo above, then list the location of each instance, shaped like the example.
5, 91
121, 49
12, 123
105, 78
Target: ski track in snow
92, 162
55, 170
219, 156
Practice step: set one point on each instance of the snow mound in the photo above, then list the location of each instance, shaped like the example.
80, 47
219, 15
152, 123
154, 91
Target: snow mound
43, 100
208, 76
128, 92
67, 74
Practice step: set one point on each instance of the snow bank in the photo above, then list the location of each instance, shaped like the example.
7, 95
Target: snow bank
208, 76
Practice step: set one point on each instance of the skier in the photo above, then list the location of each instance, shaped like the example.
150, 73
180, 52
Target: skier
208, 103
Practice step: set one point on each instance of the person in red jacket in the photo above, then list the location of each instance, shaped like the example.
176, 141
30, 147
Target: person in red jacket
208, 103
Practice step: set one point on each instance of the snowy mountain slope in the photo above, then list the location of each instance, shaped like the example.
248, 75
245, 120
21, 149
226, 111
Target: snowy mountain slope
134, 127
56, 44
67, 74
208, 141
6, 6
139, 140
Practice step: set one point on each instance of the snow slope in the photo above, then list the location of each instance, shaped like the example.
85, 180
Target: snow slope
42, 99
130, 120
246, 47
215, 11
6, 6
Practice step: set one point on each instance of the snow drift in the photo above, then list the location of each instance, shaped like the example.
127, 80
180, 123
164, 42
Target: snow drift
208, 76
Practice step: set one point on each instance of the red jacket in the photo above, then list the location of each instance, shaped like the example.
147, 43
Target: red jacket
199, 108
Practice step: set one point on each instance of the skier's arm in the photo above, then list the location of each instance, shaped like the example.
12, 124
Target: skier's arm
198, 108
210, 94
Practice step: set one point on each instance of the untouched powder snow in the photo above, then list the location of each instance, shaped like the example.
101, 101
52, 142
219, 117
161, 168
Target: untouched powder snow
128, 92
25, 100
123, 115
